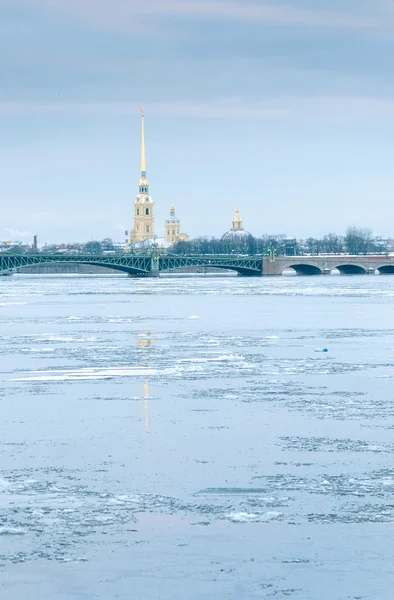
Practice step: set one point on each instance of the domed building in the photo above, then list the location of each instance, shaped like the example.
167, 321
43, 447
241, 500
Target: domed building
237, 233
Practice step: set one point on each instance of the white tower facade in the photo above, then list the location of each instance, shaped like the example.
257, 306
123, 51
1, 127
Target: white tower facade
172, 227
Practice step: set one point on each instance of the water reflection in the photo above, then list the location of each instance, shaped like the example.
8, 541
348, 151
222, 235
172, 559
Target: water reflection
146, 405
146, 341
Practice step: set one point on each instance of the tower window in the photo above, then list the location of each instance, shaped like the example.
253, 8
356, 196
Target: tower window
147, 211
138, 211
173, 232
168, 232
147, 229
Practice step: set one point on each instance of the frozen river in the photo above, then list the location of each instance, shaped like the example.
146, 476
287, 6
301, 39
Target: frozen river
187, 438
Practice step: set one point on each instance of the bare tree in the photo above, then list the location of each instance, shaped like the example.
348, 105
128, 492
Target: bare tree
93, 247
358, 241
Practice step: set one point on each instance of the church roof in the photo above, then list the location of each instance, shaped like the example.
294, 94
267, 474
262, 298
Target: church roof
237, 232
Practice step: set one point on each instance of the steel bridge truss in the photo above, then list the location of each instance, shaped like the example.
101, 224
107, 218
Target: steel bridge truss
247, 265
136, 264
139, 265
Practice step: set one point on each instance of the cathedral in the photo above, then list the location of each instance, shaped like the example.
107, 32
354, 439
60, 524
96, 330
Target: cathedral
237, 231
144, 211
144, 215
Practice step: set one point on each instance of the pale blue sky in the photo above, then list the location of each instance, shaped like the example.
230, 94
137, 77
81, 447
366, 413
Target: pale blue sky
285, 109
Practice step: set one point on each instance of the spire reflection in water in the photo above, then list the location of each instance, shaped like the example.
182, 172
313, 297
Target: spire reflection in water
146, 341
146, 404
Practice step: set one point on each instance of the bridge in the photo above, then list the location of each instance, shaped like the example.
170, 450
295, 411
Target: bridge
324, 264
155, 263
135, 264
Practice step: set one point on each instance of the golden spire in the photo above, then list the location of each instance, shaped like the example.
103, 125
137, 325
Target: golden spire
143, 158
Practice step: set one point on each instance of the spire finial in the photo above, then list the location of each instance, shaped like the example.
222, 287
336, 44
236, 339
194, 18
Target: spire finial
143, 158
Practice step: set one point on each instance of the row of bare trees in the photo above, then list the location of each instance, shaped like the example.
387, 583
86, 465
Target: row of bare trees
355, 241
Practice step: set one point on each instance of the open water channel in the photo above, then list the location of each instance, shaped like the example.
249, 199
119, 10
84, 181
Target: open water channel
187, 438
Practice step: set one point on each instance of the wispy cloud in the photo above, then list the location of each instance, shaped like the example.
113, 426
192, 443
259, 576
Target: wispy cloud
229, 109
130, 15
305, 107
16, 235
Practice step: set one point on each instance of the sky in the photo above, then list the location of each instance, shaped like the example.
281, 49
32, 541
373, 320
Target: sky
284, 108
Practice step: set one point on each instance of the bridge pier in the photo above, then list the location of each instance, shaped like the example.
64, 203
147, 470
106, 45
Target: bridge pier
143, 275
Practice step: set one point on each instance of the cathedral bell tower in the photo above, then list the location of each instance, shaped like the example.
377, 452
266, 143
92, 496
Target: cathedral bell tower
172, 227
144, 221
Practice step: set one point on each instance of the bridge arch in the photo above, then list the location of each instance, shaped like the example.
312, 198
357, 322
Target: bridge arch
113, 267
134, 266
386, 270
94, 263
349, 269
239, 270
304, 269
245, 266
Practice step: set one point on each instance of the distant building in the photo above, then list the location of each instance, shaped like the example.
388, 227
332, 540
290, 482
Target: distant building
142, 236
144, 220
9, 244
237, 232
120, 247
172, 227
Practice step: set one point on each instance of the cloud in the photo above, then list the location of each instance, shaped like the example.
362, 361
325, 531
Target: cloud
135, 15
280, 107
16, 235
229, 109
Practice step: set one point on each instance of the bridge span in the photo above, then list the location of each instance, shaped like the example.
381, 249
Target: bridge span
252, 266
138, 265
324, 264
